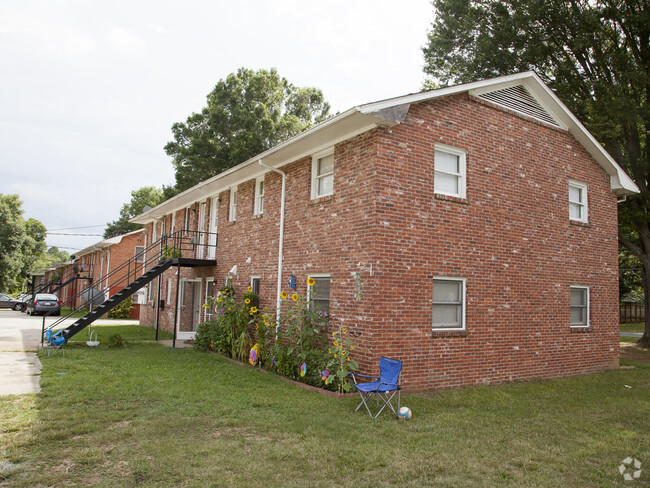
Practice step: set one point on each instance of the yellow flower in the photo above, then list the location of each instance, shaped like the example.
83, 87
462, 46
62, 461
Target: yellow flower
333, 334
348, 359
351, 348
343, 353
250, 289
310, 281
247, 301
253, 309
345, 331
283, 294
294, 297
334, 355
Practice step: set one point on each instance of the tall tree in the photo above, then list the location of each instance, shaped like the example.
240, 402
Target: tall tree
142, 197
247, 113
595, 54
21, 243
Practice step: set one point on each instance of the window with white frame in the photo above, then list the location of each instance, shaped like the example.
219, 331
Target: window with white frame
259, 196
448, 303
577, 201
322, 175
449, 171
579, 304
139, 254
151, 291
255, 284
187, 219
232, 215
169, 290
319, 294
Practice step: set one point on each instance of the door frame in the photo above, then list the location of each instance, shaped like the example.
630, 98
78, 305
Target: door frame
196, 314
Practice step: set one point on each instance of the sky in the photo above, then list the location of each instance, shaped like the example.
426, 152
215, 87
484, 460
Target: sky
90, 89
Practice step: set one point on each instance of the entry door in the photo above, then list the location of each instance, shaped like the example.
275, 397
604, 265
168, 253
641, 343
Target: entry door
190, 313
214, 221
201, 228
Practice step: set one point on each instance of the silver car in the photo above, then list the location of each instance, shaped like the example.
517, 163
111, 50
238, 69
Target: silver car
44, 303
7, 302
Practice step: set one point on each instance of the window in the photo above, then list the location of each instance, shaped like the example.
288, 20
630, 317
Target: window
577, 201
233, 205
139, 254
322, 175
448, 303
169, 290
579, 306
259, 196
187, 219
151, 291
319, 294
255, 284
449, 171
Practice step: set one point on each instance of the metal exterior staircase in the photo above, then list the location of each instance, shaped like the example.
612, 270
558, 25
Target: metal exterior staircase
155, 259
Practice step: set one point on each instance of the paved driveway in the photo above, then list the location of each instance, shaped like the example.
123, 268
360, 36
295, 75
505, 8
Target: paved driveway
20, 338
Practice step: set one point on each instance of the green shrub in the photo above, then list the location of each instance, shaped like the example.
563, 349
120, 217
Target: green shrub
123, 310
115, 340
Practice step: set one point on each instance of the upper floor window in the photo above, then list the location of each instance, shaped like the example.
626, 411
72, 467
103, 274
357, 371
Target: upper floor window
139, 254
579, 306
259, 196
187, 219
232, 215
578, 201
449, 171
322, 175
448, 303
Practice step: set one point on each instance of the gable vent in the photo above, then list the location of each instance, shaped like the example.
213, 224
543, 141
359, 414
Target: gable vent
517, 98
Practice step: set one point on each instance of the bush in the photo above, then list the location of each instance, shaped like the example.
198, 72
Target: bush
115, 340
123, 310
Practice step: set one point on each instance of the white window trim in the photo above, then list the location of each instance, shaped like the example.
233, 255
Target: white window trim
462, 169
138, 256
187, 219
258, 206
579, 287
583, 204
255, 277
169, 291
463, 303
315, 177
208, 311
320, 275
232, 209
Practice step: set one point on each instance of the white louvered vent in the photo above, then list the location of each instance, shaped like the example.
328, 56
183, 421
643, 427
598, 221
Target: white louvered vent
517, 98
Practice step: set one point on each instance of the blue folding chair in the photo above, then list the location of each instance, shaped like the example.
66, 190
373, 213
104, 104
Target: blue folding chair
379, 394
56, 341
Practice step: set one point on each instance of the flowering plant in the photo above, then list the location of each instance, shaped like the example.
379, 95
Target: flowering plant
340, 363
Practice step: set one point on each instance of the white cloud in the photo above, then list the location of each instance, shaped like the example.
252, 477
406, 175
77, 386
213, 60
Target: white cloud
123, 40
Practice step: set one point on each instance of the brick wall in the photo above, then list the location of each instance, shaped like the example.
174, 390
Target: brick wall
511, 239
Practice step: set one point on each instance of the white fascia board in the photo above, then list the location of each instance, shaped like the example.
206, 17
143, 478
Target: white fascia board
335, 130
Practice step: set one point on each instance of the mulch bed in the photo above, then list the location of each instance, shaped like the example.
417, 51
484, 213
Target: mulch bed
634, 352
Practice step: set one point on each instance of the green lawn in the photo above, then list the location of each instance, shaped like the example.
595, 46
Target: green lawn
128, 333
637, 327
147, 415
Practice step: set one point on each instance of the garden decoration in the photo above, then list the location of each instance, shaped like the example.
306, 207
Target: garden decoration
253, 355
303, 369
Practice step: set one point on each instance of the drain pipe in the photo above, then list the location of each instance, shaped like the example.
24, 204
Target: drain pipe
281, 242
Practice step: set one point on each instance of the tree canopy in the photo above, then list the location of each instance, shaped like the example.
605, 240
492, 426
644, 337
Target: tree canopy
595, 54
22, 243
246, 114
140, 198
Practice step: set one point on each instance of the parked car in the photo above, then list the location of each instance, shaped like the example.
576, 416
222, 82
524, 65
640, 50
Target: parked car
7, 302
44, 303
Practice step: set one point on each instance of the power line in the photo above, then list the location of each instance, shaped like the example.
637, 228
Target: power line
75, 228
64, 234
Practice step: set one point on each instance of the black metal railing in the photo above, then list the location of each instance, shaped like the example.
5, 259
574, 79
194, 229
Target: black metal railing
180, 244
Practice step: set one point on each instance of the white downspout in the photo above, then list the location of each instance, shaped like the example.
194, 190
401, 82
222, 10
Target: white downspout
281, 241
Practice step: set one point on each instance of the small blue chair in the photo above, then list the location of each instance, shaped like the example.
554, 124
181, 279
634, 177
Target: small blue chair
379, 394
56, 341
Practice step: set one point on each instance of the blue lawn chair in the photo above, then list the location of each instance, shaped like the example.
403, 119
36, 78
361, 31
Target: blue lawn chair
56, 341
378, 394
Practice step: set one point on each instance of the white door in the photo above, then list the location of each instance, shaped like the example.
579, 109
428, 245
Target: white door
214, 221
201, 228
189, 314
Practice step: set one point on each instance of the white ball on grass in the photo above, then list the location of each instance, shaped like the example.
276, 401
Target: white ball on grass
404, 413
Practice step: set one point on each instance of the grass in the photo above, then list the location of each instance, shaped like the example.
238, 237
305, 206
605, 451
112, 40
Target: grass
146, 415
635, 327
128, 333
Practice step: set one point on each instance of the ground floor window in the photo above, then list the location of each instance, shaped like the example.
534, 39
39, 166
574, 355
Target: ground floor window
319, 294
448, 303
255, 285
579, 306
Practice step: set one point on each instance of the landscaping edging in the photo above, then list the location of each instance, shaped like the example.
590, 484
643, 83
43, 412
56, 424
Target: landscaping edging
304, 386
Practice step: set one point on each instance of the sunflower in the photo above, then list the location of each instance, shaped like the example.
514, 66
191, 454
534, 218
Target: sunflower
294, 297
247, 301
283, 294
249, 289
253, 309
311, 282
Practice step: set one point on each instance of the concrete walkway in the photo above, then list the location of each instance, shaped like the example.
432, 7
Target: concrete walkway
631, 334
20, 338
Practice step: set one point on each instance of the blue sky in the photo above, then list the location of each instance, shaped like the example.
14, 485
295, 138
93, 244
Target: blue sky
91, 89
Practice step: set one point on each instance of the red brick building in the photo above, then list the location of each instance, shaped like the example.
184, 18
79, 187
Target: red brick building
469, 231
